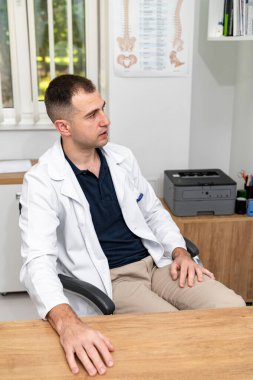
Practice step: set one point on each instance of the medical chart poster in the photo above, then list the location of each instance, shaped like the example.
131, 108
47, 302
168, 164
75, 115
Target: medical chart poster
151, 37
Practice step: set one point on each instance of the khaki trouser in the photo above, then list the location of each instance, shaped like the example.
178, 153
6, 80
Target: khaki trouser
141, 287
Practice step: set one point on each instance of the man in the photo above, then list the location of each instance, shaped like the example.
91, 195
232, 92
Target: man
88, 212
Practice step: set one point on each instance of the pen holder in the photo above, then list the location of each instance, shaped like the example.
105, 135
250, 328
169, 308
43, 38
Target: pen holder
240, 205
249, 192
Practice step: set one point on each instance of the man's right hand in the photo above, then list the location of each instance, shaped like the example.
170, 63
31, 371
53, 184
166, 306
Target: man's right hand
91, 347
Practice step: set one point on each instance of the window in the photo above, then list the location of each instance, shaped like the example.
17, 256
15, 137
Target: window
41, 39
5, 68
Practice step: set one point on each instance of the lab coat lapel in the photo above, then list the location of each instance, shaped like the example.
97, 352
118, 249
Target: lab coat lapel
125, 194
118, 177
127, 198
60, 170
71, 188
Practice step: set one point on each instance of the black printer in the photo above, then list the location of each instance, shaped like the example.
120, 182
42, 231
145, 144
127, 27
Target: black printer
199, 192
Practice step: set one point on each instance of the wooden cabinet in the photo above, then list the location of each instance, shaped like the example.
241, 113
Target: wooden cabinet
10, 258
226, 247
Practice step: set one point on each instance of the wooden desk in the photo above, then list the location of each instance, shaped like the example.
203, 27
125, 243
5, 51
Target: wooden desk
13, 178
200, 344
226, 247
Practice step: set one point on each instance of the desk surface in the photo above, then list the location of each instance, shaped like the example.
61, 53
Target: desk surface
200, 344
13, 178
207, 218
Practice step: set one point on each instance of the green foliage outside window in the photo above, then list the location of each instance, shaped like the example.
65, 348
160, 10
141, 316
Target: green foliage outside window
5, 61
61, 54
60, 40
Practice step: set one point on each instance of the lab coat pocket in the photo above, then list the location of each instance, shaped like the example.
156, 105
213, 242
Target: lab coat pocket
140, 201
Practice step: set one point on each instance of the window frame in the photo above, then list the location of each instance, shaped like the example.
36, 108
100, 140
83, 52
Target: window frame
28, 114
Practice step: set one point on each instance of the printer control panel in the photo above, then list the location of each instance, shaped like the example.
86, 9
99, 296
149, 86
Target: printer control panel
206, 192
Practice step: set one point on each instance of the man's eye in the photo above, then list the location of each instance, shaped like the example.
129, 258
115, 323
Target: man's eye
91, 116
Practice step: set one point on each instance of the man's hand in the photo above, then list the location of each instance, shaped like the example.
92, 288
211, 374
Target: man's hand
184, 264
91, 347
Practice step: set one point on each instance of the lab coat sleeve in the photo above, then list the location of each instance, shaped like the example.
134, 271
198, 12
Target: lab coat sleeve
38, 224
157, 218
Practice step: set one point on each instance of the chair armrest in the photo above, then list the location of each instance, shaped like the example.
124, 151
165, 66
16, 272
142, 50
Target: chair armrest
89, 291
191, 247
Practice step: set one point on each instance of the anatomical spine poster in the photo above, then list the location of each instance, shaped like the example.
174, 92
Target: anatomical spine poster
151, 37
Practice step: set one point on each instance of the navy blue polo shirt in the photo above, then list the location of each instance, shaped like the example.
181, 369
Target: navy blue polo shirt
119, 244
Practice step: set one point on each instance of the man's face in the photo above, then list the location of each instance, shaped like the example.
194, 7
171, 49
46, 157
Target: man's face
88, 124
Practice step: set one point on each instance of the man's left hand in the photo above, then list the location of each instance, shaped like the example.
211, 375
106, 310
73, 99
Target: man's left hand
185, 268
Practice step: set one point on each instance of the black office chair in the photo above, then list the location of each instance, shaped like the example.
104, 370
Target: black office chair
99, 298
95, 295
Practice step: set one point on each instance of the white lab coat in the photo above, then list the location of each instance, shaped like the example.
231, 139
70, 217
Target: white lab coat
58, 235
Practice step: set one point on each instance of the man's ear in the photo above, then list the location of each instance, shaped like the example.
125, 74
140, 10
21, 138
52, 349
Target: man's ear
62, 127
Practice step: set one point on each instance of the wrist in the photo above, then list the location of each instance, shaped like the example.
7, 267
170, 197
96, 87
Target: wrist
179, 251
60, 316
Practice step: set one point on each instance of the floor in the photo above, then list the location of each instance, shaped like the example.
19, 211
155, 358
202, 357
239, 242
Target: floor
17, 306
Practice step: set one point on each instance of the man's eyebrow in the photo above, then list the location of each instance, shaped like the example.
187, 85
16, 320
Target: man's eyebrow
95, 110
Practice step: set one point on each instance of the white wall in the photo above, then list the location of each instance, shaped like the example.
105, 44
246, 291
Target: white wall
242, 137
222, 102
213, 90
168, 124
25, 144
152, 117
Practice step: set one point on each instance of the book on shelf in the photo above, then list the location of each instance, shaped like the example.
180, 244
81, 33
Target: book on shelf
249, 18
238, 18
242, 7
228, 18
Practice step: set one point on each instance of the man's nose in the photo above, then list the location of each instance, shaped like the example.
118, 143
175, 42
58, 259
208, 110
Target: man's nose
104, 120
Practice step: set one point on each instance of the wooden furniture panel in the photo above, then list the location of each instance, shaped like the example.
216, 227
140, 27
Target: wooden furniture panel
198, 344
13, 178
226, 247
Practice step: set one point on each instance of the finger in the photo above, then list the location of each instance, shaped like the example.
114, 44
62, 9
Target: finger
91, 360
70, 356
174, 270
191, 276
107, 341
199, 273
208, 273
183, 275
104, 352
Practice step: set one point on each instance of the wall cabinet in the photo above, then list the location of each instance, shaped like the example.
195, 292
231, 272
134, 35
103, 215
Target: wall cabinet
226, 247
215, 15
10, 258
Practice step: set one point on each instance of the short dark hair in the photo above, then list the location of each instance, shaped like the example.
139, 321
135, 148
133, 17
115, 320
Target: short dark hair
60, 92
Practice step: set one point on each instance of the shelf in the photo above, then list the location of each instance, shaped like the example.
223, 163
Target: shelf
229, 39
215, 14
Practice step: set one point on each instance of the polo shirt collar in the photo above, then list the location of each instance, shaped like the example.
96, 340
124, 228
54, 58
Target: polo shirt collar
103, 165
